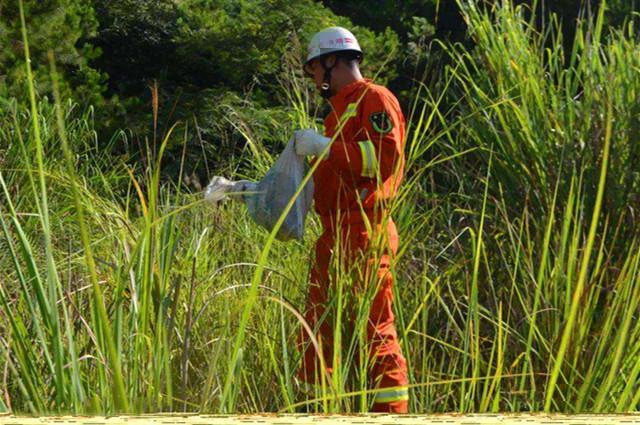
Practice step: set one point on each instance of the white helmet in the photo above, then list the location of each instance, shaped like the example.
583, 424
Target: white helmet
331, 40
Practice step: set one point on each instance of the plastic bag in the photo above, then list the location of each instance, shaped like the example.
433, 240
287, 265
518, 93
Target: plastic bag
275, 190
267, 199
218, 189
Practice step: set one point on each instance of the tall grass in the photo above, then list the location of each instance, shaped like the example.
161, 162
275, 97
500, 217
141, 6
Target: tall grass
517, 282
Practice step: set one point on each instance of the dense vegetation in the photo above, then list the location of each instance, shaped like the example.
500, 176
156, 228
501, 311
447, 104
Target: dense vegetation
518, 282
205, 56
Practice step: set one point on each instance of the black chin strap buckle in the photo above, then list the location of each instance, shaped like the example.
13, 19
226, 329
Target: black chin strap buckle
325, 88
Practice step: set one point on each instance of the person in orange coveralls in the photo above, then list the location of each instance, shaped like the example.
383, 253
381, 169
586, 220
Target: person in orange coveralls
361, 166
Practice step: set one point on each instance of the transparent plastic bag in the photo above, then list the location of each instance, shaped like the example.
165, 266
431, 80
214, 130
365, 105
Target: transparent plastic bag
275, 190
267, 199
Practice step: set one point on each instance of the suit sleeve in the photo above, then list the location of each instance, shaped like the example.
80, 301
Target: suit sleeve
376, 148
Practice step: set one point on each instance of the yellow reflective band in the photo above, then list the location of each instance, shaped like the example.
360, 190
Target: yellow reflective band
368, 159
391, 395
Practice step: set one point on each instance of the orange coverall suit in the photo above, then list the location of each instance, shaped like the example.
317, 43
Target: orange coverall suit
362, 171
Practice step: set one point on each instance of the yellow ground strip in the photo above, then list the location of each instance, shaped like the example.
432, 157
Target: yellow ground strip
175, 419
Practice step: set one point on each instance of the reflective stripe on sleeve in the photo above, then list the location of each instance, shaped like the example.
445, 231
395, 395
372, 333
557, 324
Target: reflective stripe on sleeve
368, 159
390, 395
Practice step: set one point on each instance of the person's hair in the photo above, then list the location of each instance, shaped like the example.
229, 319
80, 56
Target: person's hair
350, 58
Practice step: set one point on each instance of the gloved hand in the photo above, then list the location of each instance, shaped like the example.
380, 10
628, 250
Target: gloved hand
310, 142
220, 189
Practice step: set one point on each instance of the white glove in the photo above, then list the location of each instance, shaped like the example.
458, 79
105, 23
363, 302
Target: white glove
310, 142
220, 188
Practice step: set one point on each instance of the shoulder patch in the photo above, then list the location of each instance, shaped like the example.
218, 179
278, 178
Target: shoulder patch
381, 122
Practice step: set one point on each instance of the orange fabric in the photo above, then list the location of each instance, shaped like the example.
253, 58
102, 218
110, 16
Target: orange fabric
341, 196
387, 366
339, 185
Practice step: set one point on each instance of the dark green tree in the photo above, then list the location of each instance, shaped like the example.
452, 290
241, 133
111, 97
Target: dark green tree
211, 44
62, 26
206, 53
138, 41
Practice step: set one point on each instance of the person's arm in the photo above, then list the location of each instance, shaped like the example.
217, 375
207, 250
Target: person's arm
377, 147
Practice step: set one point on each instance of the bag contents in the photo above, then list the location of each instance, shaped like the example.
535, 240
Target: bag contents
267, 199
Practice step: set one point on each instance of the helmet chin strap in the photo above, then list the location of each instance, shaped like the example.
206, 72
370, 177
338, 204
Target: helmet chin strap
325, 88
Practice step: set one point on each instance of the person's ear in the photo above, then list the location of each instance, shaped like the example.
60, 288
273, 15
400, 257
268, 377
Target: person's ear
330, 61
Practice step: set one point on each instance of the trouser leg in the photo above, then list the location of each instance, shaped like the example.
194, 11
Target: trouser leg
388, 367
314, 357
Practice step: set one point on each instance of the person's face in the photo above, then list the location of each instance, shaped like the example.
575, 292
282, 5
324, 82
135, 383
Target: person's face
314, 70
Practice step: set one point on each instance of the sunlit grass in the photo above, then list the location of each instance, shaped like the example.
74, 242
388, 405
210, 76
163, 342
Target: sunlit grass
517, 281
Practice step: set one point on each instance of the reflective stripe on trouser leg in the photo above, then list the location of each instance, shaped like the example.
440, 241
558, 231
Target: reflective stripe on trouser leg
389, 395
368, 158
388, 371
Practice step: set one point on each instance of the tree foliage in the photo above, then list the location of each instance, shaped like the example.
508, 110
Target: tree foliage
220, 45
201, 53
58, 25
